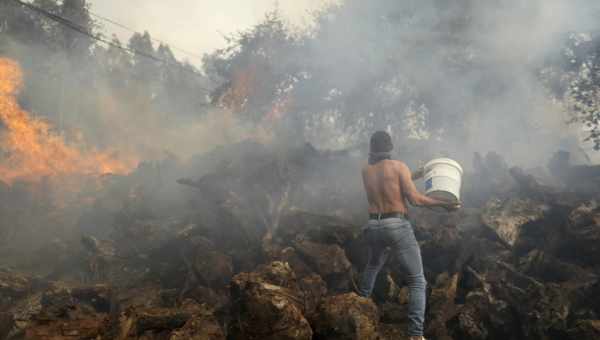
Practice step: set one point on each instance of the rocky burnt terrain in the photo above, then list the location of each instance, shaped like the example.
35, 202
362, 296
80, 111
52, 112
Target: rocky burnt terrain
252, 259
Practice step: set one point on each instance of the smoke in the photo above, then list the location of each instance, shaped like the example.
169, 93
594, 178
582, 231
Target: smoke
460, 76
31, 151
455, 78
522, 121
74, 134
200, 25
77, 102
449, 78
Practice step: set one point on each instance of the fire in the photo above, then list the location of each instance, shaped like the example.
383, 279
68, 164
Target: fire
31, 150
243, 86
279, 109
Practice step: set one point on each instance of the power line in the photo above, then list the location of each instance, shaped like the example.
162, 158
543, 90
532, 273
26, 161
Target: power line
175, 47
82, 30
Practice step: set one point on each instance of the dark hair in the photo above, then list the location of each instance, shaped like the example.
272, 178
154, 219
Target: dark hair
381, 141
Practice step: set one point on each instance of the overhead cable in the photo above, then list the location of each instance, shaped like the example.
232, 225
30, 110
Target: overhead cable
84, 31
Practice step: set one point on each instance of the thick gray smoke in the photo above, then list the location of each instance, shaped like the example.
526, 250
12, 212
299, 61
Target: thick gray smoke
463, 75
455, 77
448, 78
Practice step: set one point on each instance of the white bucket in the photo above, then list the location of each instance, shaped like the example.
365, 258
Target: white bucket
443, 179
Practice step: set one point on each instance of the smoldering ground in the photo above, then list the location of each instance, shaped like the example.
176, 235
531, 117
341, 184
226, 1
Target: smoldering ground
215, 234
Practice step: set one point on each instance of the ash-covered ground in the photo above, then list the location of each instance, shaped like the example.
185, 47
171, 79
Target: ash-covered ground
254, 242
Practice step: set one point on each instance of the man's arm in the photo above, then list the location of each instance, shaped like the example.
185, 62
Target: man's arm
414, 196
364, 181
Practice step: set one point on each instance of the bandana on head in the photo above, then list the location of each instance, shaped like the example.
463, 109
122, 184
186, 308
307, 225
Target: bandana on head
375, 157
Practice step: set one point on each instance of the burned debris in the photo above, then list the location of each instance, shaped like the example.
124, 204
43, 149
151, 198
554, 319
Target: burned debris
251, 258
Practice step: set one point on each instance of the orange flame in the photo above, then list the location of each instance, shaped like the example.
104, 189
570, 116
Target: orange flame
243, 86
31, 150
279, 108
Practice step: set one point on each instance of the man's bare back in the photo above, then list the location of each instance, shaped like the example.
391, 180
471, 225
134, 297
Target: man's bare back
389, 184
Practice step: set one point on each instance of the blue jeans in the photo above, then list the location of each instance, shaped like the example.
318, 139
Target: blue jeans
395, 236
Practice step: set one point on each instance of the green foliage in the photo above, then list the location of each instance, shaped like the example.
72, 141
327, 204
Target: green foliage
584, 88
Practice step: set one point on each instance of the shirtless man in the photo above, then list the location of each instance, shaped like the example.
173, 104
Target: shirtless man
389, 184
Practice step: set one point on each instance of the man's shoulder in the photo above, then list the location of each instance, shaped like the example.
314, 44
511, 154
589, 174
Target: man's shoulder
393, 162
401, 168
400, 164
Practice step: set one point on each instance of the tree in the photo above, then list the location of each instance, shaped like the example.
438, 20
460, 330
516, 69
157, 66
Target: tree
254, 68
463, 72
88, 88
20, 24
583, 92
181, 92
117, 64
360, 75
145, 69
77, 12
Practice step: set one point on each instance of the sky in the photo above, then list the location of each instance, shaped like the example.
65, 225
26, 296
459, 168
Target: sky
196, 26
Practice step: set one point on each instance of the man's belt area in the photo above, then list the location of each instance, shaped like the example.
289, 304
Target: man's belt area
376, 216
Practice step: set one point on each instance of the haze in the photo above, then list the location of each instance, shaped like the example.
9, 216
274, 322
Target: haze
197, 26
